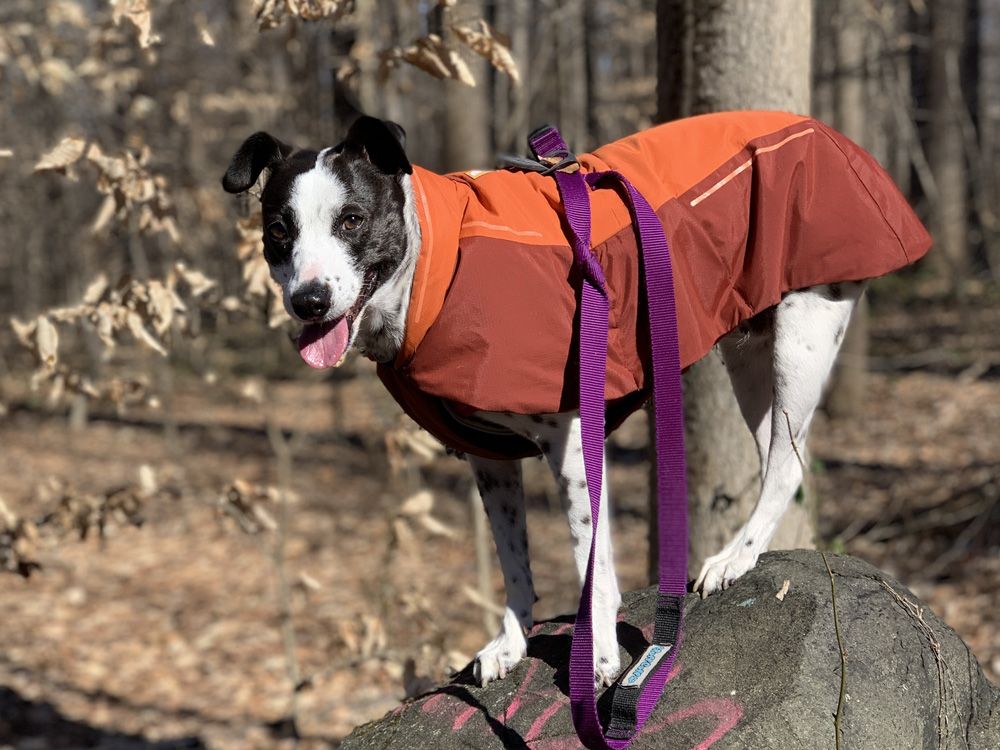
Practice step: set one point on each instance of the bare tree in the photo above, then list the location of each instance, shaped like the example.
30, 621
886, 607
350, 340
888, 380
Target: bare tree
711, 58
946, 150
989, 125
856, 54
467, 118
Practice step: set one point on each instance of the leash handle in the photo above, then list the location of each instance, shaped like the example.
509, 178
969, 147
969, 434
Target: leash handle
638, 690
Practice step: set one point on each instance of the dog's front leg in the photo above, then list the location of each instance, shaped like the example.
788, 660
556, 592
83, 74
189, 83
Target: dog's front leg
561, 440
500, 485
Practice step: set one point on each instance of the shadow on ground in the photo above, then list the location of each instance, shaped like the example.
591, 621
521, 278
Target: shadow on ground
39, 725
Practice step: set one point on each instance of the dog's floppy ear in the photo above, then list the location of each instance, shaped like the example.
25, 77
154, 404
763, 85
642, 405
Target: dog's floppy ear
382, 142
259, 152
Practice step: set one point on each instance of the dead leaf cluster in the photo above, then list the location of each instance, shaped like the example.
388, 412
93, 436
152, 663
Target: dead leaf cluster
148, 310
363, 637
407, 445
78, 46
417, 510
71, 513
272, 13
251, 505
486, 43
139, 15
435, 56
259, 289
131, 189
18, 543
432, 55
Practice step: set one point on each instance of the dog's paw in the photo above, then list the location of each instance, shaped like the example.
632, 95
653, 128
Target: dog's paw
721, 570
499, 656
606, 668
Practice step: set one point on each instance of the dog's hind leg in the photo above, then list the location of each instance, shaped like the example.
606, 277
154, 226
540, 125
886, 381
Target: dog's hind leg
809, 326
500, 485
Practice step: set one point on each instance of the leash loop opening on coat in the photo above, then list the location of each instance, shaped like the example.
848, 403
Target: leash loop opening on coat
638, 690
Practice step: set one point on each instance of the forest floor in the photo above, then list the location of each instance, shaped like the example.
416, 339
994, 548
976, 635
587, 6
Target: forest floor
178, 634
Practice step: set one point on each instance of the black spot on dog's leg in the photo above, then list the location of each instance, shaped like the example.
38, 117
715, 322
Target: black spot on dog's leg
836, 292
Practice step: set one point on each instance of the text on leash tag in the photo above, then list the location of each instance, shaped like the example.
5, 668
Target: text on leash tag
645, 665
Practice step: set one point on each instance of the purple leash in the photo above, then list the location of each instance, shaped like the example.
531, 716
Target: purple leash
638, 690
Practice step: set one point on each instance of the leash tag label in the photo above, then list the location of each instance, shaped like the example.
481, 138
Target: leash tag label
645, 665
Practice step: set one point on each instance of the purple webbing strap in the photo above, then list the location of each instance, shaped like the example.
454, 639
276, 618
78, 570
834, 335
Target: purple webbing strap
638, 692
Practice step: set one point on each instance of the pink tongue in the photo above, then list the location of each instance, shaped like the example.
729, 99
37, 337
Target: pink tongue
323, 344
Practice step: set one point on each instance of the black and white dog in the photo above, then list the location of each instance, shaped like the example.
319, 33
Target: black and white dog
341, 237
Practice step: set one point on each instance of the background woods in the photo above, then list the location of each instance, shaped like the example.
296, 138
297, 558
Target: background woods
305, 557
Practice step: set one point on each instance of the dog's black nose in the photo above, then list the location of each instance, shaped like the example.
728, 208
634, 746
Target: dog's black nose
311, 302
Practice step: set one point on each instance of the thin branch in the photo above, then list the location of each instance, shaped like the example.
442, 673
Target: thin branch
843, 655
791, 436
917, 614
283, 453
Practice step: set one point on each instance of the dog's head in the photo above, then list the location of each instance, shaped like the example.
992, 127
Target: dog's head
334, 226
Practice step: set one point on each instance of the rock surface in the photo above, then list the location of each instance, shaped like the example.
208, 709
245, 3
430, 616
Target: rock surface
753, 672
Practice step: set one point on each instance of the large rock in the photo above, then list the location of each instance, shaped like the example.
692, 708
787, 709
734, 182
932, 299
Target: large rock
753, 672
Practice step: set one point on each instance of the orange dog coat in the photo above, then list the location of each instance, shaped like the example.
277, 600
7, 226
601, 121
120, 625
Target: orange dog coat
754, 205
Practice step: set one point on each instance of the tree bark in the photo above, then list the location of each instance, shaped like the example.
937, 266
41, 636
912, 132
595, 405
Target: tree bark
711, 58
857, 52
467, 142
946, 151
989, 125
571, 67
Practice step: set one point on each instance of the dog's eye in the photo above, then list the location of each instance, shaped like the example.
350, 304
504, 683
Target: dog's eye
351, 222
277, 231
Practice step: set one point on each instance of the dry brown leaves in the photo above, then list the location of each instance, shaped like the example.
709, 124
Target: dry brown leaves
131, 189
18, 540
485, 42
433, 56
408, 445
250, 505
71, 513
137, 13
272, 13
148, 310
258, 286
76, 47
416, 509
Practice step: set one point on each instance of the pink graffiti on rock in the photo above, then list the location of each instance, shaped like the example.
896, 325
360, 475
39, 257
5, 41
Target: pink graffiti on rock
726, 713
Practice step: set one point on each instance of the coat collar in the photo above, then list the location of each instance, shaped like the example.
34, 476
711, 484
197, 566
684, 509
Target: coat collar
440, 203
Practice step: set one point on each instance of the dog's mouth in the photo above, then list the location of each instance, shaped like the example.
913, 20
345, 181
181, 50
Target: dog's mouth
323, 345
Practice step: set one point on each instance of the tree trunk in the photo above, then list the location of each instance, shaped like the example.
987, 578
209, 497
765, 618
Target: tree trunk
571, 65
989, 125
854, 116
946, 152
467, 143
711, 57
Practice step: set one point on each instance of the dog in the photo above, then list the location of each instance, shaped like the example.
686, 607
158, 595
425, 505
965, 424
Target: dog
776, 223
